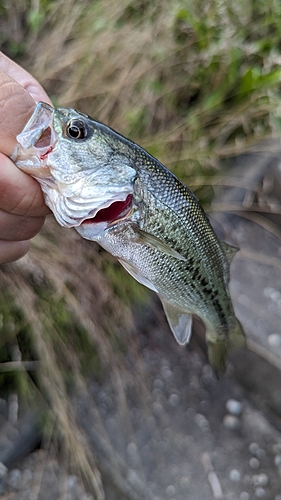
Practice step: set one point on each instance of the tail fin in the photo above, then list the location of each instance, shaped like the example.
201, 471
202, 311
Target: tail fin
219, 346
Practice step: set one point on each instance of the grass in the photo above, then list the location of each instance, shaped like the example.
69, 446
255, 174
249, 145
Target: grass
193, 89
193, 83
48, 314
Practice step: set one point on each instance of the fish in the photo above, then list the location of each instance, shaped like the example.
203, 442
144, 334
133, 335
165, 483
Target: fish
115, 193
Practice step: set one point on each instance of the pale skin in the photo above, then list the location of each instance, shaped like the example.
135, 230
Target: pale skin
22, 207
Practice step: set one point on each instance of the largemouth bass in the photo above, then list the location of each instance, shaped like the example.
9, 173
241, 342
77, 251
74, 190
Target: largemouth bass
115, 193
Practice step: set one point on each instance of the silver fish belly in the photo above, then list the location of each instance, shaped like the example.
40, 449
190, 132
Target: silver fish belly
114, 192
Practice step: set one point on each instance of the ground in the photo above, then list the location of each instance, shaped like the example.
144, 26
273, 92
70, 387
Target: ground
179, 432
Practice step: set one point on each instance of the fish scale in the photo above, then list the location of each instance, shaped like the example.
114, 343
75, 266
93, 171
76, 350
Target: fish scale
185, 240
115, 193
175, 281
185, 206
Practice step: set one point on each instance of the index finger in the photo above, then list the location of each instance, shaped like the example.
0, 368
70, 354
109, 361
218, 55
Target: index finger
20, 194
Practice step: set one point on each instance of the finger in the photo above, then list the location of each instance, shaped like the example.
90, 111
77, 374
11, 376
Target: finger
11, 251
20, 194
16, 107
19, 228
23, 78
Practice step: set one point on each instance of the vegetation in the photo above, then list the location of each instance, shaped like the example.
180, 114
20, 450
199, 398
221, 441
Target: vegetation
194, 83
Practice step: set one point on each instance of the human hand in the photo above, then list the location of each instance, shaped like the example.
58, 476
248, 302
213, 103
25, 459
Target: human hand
22, 207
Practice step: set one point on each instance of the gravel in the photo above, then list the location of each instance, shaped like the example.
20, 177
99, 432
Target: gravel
181, 433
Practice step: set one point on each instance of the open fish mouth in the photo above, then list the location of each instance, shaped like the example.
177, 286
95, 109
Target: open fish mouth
99, 212
116, 211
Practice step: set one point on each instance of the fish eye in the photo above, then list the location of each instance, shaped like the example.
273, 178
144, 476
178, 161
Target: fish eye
76, 129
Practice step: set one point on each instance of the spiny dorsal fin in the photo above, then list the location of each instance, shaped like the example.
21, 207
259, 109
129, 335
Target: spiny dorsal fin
229, 250
179, 321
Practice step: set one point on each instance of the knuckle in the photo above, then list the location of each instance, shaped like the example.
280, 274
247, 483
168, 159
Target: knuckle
11, 251
18, 228
20, 194
30, 227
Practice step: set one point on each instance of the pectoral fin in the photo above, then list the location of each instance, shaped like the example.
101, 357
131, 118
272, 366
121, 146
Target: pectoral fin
135, 273
154, 242
179, 321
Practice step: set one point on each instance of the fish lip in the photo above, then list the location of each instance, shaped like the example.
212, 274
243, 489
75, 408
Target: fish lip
39, 121
29, 157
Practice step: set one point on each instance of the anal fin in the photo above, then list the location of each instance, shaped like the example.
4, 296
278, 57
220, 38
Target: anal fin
179, 321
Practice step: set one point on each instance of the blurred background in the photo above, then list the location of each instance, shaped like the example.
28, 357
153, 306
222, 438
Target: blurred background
96, 400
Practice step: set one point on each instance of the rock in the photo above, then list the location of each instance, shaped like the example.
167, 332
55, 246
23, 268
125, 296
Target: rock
254, 463
234, 407
235, 475
259, 492
231, 422
262, 479
14, 478
3, 471
277, 461
171, 490
274, 339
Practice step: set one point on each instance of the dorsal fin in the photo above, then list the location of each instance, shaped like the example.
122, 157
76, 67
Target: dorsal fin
229, 250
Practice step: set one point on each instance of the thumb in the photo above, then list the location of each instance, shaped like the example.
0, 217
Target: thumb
23, 78
16, 107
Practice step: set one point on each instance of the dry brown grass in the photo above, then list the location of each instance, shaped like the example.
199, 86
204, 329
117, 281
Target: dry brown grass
158, 76
76, 327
